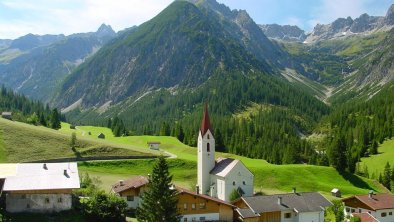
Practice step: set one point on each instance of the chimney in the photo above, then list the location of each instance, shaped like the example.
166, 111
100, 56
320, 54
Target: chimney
294, 190
370, 193
197, 189
45, 166
279, 200
121, 182
65, 173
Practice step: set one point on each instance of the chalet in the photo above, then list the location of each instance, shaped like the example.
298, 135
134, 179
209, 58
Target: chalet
336, 192
194, 206
131, 190
154, 145
101, 136
378, 206
6, 115
291, 207
39, 187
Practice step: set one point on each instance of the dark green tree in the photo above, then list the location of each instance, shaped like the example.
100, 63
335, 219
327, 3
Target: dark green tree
374, 147
160, 200
55, 119
386, 180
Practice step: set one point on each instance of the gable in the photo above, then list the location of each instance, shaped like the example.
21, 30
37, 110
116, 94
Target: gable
239, 170
355, 203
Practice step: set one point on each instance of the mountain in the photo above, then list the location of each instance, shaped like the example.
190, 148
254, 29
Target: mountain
289, 33
343, 27
181, 47
46, 60
241, 26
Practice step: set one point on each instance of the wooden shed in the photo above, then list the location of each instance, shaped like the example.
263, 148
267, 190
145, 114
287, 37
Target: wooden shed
336, 192
7, 115
101, 136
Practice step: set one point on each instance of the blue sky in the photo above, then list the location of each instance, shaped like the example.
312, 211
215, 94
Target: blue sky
20, 17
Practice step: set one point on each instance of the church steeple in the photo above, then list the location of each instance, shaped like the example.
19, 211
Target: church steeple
205, 123
205, 153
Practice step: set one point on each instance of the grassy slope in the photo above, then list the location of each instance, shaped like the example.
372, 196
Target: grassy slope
21, 142
269, 178
376, 163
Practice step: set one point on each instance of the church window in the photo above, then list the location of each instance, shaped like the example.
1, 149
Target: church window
243, 182
208, 148
233, 183
208, 135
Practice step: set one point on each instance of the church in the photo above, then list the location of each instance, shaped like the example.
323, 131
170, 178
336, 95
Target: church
219, 178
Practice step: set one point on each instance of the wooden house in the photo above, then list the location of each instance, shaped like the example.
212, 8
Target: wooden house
336, 192
40, 187
378, 206
154, 145
131, 190
101, 136
292, 207
6, 115
194, 206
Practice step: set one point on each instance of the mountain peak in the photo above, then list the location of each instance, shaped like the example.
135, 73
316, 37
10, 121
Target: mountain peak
105, 30
389, 19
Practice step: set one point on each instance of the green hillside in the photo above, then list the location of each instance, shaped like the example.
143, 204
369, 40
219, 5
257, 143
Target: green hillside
269, 178
376, 163
21, 142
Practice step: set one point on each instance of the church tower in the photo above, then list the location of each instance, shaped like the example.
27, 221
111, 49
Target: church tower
205, 153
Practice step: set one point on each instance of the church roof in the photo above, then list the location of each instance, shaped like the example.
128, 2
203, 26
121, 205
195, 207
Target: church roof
223, 166
205, 123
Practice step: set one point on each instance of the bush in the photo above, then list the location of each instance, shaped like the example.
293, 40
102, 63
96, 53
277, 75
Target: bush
102, 207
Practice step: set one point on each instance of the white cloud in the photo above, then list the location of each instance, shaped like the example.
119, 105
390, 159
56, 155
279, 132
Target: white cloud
67, 17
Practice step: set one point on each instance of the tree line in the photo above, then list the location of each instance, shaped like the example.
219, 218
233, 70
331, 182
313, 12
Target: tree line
29, 111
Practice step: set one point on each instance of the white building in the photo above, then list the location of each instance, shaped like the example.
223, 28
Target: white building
39, 187
291, 207
219, 178
377, 206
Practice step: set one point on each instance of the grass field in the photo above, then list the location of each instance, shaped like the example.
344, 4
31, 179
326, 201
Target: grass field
376, 163
21, 142
269, 178
30, 142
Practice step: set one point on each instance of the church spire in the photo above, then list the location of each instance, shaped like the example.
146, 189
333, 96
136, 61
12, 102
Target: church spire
205, 123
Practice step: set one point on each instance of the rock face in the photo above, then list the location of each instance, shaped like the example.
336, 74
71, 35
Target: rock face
290, 33
343, 27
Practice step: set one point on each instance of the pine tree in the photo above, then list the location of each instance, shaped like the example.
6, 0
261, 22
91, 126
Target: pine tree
55, 119
386, 180
159, 201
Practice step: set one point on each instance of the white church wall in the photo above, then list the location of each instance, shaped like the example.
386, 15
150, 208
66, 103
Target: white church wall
206, 161
241, 177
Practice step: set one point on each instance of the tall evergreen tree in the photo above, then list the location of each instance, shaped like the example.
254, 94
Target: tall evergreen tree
55, 119
386, 180
159, 201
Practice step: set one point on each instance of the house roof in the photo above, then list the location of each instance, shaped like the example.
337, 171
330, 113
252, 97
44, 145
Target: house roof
223, 166
131, 183
183, 190
246, 213
377, 201
7, 169
154, 143
365, 217
335, 190
205, 123
300, 202
34, 176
